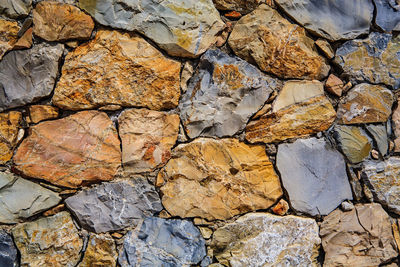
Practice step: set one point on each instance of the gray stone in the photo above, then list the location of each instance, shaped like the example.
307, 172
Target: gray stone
161, 242
20, 198
380, 136
15, 8
314, 175
387, 15
114, 206
28, 75
223, 94
8, 252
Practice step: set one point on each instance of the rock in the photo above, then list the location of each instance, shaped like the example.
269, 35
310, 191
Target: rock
331, 19
10, 126
38, 113
161, 242
147, 138
28, 75
73, 151
25, 41
300, 109
314, 175
101, 251
360, 237
206, 232
325, 47
54, 21
223, 94
277, 46
347, 206
373, 59
396, 126
281, 208
186, 74
379, 133
387, 15
334, 85
263, 239
117, 68
218, 179
15, 8
181, 28
233, 15
242, 6
8, 252
21, 199
366, 103
54, 210
49, 241
8, 35
114, 206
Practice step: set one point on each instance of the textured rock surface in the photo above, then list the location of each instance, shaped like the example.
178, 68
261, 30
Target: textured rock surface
113, 206
160, 242
325, 48
117, 69
8, 35
334, 85
360, 237
388, 15
217, 179
147, 138
396, 126
262, 239
79, 149
28, 75
15, 8
10, 125
277, 46
242, 6
223, 94
8, 252
181, 28
100, 251
314, 175
51, 241
379, 134
38, 113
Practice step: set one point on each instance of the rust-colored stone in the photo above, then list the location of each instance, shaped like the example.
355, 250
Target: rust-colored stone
38, 113
334, 85
10, 124
233, 15
25, 41
281, 208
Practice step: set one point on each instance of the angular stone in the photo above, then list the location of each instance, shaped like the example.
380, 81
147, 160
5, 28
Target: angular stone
325, 47
100, 251
8, 252
277, 46
218, 179
73, 151
28, 75
331, 19
263, 239
38, 113
10, 125
49, 241
117, 68
15, 8
25, 41
387, 15
334, 85
242, 6
379, 133
161, 242
114, 206
147, 138
281, 208
223, 94
374, 59
360, 237
366, 103
396, 126
182, 28
54, 21
8, 35
314, 175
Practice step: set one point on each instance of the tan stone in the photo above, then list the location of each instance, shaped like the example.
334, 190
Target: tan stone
217, 179
79, 149
118, 69
206, 232
243, 6
281, 208
10, 124
8, 35
334, 85
396, 126
101, 251
38, 113
25, 41
326, 48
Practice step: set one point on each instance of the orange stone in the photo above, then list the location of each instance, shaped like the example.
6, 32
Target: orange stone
38, 113
10, 124
25, 41
233, 15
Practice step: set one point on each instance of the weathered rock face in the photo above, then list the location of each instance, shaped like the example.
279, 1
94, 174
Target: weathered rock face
373, 59
100, 251
360, 237
160, 242
8, 252
10, 125
387, 15
117, 69
8, 35
181, 28
300, 109
396, 126
217, 179
334, 85
242, 6
334, 20
223, 94
15, 8
79, 149
379, 134
28, 75
277, 46
25, 41
54, 21
262, 239
38, 113
113, 206
50, 241
147, 138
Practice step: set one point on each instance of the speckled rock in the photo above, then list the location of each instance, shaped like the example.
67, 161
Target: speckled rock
8, 252
15, 8
10, 128
100, 251
8, 35
387, 15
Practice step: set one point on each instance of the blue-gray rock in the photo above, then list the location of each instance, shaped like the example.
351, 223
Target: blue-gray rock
15, 8
387, 15
161, 242
379, 134
314, 175
8, 252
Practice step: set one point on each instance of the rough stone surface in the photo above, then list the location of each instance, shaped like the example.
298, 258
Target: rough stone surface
28, 75
117, 68
379, 134
114, 206
217, 179
326, 48
10, 126
160, 242
49, 242
334, 85
242, 6
387, 15
8, 252
360, 237
54, 21
8, 35
100, 251
25, 41
38, 113
181, 28
281, 208
15, 8
147, 138
314, 175
396, 126
79, 149
262, 239
277, 46
223, 94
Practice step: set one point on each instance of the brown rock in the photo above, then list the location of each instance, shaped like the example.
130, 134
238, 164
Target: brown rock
101, 251
396, 126
54, 210
218, 179
38, 113
233, 15
8, 35
326, 48
243, 6
10, 124
54, 21
79, 149
147, 138
118, 69
25, 41
334, 85
281, 208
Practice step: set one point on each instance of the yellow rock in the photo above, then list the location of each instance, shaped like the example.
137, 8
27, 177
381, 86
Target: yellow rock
38, 113
10, 123
100, 251
8, 35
